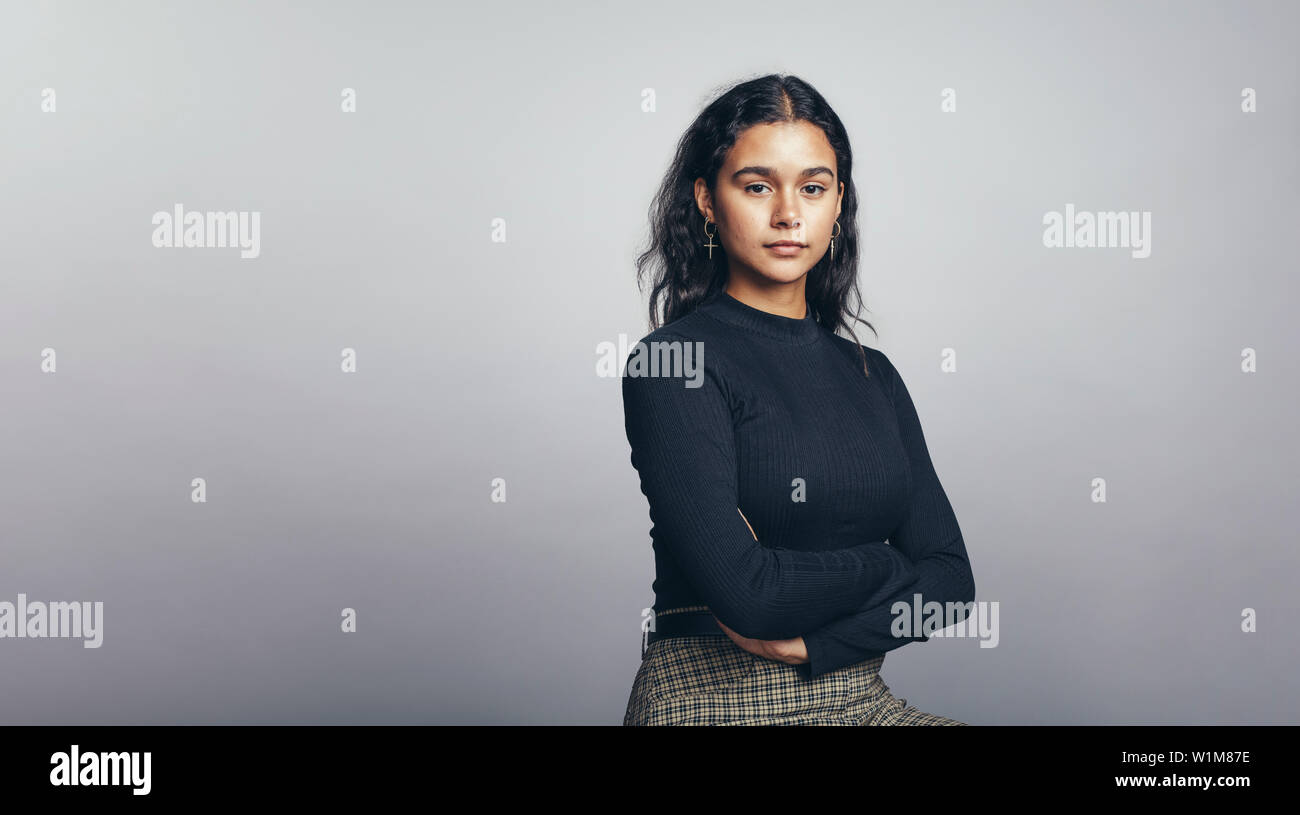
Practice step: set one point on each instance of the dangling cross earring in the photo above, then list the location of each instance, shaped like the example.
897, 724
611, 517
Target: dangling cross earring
710, 244
835, 235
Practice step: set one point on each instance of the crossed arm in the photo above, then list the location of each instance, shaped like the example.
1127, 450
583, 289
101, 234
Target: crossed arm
792, 650
682, 442
929, 537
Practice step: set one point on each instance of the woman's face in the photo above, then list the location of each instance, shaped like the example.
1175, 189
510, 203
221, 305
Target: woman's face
779, 183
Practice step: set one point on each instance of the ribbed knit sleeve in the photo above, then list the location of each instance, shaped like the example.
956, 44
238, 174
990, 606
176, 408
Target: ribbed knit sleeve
929, 536
682, 442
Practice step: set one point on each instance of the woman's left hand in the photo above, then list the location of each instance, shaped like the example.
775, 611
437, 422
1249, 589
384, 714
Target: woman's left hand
792, 651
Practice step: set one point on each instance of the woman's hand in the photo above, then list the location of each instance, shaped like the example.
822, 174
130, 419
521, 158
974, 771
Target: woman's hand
792, 651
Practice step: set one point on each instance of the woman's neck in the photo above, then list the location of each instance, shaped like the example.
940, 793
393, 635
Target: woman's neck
784, 299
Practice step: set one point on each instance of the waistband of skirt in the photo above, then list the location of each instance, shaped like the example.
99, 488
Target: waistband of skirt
682, 621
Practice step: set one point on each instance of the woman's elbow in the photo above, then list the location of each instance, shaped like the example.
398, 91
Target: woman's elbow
968, 595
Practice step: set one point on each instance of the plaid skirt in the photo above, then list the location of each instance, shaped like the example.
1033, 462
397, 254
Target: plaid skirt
707, 679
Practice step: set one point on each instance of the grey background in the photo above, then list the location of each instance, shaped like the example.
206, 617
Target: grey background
477, 359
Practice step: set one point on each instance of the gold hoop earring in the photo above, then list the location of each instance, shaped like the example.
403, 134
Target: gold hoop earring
835, 235
711, 245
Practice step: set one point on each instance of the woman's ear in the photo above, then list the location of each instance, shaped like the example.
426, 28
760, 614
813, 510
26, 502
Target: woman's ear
704, 201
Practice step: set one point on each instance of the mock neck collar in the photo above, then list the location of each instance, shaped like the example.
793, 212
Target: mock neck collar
728, 309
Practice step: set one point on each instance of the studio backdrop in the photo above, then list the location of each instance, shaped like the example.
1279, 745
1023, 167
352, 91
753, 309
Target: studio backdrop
307, 310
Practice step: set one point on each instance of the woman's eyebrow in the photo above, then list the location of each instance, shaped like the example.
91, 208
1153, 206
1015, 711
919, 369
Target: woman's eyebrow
767, 171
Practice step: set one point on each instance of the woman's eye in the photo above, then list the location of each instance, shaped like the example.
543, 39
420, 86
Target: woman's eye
816, 188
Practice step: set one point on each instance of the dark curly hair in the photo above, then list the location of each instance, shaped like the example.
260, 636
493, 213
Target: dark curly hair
683, 274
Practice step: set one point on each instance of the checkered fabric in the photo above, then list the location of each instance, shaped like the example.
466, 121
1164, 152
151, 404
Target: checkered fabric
709, 680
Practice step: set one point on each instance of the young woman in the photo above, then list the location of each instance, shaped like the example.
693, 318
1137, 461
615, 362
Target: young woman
778, 468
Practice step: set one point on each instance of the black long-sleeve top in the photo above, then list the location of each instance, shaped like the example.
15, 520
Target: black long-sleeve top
774, 417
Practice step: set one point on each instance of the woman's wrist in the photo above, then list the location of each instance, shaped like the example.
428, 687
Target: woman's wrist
792, 651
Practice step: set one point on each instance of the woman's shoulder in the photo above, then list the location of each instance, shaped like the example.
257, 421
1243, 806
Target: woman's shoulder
693, 333
878, 363
695, 326
693, 347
